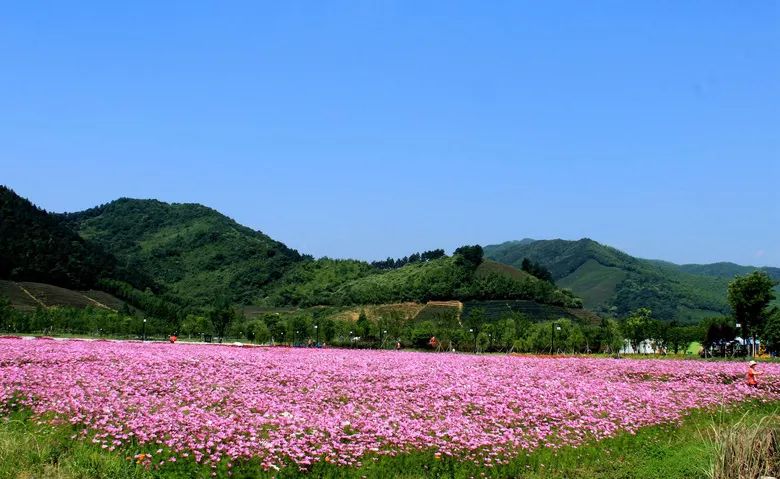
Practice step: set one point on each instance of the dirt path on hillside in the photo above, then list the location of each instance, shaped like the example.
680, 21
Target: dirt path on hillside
98, 303
31, 295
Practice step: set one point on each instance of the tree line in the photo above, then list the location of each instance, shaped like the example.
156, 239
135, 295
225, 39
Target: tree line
391, 263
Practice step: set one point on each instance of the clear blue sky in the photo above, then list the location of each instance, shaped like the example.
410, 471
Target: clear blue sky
374, 129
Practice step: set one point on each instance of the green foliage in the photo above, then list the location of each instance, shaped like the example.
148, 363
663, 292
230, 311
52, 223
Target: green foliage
536, 270
610, 336
441, 279
257, 331
469, 256
496, 309
196, 326
771, 333
637, 327
313, 282
221, 316
391, 263
147, 301
749, 297
96, 322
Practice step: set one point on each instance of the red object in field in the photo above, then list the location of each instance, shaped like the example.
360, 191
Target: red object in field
172, 338
751, 377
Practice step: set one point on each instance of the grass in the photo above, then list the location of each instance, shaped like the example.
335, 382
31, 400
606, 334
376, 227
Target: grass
593, 282
746, 449
29, 449
487, 267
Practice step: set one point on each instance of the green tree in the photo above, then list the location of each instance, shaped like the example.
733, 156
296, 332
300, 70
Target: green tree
771, 333
749, 297
717, 332
470, 256
221, 315
610, 336
363, 325
636, 327
257, 331
7, 314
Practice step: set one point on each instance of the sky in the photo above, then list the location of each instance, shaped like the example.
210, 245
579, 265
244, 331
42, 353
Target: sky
375, 129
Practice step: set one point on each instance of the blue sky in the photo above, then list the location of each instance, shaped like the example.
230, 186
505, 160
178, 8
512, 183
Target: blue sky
374, 129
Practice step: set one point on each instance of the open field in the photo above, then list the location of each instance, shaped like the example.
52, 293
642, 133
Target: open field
298, 409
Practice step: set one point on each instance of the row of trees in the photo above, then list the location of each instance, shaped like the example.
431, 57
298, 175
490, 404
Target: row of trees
391, 263
537, 270
88, 321
513, 332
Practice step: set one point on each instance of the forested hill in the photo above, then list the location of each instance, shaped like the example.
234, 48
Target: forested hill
196, 252
36, 246
613, 282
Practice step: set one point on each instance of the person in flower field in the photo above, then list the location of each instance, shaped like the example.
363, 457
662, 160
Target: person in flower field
172, 338
751, 375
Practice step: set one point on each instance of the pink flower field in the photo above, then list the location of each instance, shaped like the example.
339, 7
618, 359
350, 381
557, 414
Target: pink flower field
210, 403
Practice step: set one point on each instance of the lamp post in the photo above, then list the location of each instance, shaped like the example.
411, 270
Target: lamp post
144, 333
472, 331
553, 327
296, 337
317, 331
738, 325
350, 339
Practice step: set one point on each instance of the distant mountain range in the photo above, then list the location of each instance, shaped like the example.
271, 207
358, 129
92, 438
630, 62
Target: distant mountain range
612, 282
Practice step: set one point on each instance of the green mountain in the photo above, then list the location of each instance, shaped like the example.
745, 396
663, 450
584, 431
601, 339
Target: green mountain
195, 252
36, 246
613, 282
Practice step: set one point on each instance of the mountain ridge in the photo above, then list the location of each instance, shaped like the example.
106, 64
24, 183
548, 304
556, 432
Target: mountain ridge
614, 282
